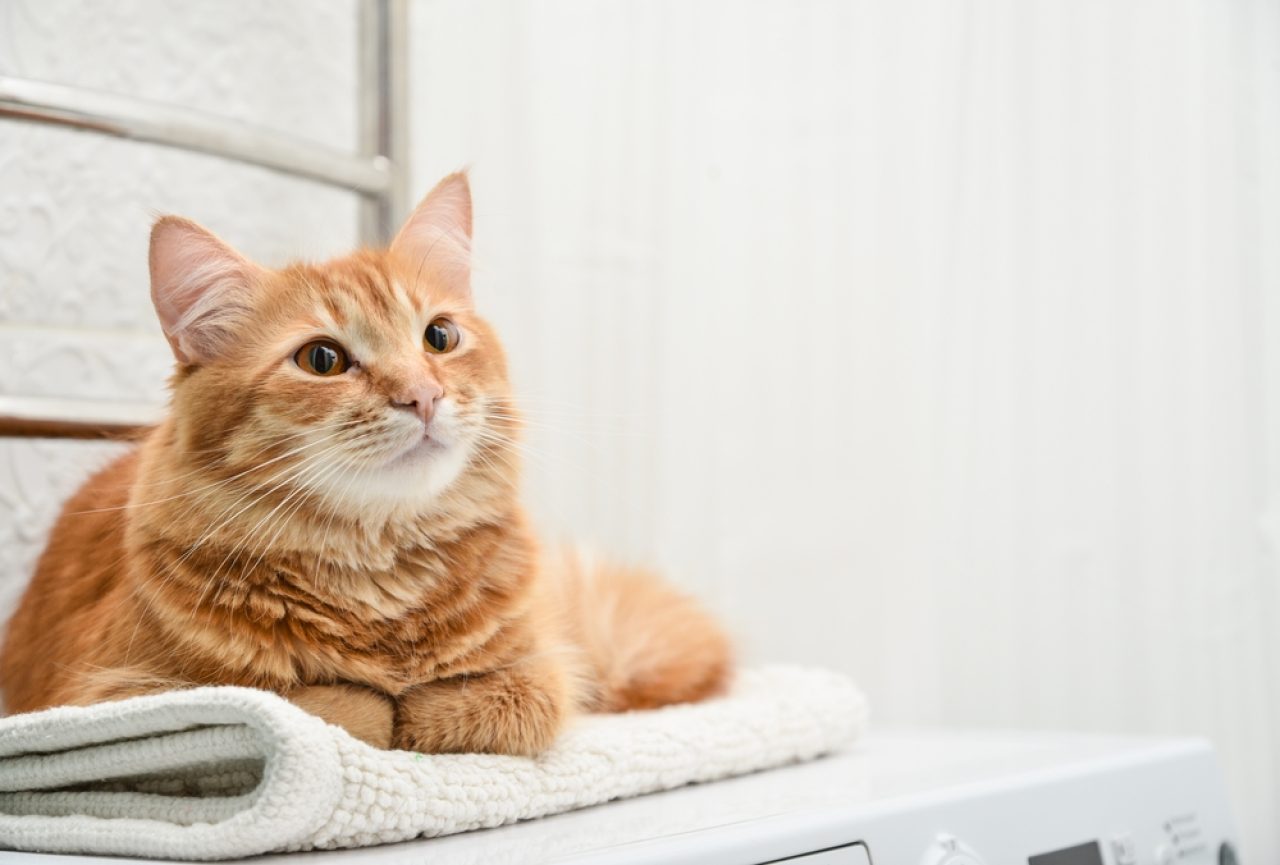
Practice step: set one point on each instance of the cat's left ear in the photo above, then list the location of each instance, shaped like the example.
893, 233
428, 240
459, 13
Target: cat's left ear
436, 239
201, 287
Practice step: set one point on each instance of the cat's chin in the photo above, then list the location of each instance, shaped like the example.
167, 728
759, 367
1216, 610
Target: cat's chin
426, 448
411, 480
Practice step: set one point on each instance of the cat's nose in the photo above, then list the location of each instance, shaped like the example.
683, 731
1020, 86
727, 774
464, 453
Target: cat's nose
421, 399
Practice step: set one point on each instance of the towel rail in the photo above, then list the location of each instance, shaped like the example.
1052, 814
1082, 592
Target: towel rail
187, 129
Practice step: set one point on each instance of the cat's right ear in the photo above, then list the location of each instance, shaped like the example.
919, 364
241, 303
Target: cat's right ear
200, 286
436, 238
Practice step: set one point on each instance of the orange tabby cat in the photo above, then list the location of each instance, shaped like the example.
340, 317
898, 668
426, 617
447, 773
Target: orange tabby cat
330, 512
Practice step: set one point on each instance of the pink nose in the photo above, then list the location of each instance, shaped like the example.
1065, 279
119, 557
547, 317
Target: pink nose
421, 399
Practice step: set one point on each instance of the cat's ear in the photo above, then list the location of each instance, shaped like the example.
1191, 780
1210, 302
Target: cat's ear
436, 238
201, 288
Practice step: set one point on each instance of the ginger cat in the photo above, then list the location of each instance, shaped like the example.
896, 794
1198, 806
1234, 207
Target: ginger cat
330, 511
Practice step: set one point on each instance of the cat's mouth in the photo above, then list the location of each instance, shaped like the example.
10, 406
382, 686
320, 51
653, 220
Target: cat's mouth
435, 450
428, 444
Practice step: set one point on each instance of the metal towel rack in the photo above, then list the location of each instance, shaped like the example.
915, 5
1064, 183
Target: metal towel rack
376, 173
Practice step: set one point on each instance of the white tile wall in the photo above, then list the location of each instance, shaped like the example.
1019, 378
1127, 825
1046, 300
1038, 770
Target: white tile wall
75, 208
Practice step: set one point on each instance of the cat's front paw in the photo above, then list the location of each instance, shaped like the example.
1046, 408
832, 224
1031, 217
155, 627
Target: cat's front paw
364, 713
512, 711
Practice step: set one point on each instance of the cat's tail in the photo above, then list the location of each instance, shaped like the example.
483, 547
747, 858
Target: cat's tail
644, 643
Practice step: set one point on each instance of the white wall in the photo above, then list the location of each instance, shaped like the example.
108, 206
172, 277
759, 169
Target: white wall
930, 340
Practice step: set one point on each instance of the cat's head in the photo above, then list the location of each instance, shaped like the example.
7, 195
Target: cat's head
368, 379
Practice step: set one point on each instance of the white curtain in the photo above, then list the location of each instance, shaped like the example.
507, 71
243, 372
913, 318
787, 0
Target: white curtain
930, 340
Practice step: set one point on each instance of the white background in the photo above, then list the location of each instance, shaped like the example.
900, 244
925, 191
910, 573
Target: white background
930, 341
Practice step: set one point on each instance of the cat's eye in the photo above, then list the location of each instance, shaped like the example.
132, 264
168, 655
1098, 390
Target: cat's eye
322, 357
441, 336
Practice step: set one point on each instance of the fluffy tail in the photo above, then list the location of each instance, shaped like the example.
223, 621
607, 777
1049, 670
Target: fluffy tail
644, 643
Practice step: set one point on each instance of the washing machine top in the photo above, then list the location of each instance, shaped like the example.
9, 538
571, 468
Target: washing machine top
916, 798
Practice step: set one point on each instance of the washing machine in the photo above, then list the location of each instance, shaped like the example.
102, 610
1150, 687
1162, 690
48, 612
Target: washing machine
896, 799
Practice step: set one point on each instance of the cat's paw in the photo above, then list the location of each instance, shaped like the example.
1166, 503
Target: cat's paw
501, 712
364, 713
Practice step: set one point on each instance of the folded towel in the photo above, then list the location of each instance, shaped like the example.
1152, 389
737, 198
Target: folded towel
217, 773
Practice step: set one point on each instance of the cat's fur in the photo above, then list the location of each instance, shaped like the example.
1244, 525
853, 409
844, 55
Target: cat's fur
311, 536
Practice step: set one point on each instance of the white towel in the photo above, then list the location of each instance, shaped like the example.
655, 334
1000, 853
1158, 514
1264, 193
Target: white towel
217, 773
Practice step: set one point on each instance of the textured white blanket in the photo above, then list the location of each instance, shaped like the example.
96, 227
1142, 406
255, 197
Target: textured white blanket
216, 773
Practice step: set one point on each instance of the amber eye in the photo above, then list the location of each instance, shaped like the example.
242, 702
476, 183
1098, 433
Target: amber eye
322, 357
441, 336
